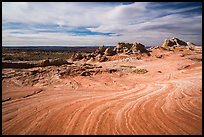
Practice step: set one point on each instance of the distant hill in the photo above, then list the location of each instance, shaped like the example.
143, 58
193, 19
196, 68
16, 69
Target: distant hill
72, 48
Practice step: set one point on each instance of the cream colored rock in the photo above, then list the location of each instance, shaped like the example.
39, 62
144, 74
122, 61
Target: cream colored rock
173, 42
109, 52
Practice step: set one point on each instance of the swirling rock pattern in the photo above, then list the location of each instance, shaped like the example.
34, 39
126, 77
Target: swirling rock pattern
169, 102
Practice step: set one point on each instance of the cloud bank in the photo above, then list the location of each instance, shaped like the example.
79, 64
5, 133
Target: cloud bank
89, 23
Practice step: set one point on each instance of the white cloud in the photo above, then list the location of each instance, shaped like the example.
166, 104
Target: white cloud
136, 22
71, 14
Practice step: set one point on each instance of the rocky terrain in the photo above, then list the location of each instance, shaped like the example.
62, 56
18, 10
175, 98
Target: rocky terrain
128, 89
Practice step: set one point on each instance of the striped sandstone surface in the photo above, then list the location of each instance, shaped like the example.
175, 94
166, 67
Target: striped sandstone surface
165, 100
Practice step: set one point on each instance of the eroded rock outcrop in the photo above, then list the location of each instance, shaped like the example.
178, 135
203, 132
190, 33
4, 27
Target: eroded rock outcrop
191, 46
100, 50
109, 52
123, 47
101, 53
101, 58
77, 56
175, 43
31, 64
18, 64
52, 62
131, 48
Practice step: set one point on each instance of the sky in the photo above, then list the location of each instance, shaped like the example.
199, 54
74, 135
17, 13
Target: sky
99, 23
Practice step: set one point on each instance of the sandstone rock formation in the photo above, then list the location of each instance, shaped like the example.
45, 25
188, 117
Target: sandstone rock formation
31, 64
131, 48
85, 73
101, 53
57, 62
100, 50
19, 64
175, 43
102, 58
123, 47
77, 56
43, 63
138, 47
90, 56
109, 52
52, 62
191, 46
159, 56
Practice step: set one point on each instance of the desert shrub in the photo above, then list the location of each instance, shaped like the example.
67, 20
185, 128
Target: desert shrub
140, 71
196, 59
199, 52
127, 66
8, 58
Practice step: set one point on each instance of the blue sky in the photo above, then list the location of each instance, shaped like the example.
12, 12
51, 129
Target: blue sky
99, 23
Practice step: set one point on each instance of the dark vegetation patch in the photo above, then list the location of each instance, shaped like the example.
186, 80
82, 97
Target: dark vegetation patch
127, 66
196, 59
199, 52
140, 71
21, 54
